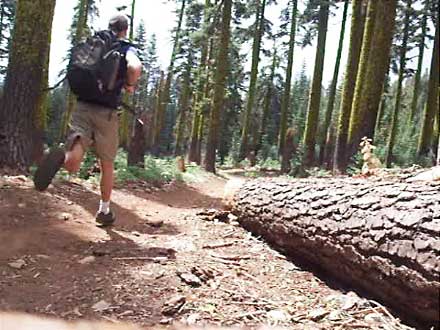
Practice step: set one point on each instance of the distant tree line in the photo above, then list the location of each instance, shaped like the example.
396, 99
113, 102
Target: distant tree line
205, 106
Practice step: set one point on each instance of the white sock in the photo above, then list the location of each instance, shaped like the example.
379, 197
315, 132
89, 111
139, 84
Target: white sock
104, 207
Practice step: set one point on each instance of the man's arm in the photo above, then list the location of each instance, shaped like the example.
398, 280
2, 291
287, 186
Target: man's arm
134, 70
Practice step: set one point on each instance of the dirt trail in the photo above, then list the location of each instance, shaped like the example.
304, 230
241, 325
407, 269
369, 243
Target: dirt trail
55, 261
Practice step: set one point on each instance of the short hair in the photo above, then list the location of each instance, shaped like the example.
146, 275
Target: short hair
118, 23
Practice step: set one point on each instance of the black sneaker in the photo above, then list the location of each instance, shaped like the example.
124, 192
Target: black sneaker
105, 220
48, 168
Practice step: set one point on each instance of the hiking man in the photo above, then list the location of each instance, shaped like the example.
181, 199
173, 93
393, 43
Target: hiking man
95, 123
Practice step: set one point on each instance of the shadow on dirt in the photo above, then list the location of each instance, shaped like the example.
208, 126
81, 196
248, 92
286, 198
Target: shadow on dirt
69, 264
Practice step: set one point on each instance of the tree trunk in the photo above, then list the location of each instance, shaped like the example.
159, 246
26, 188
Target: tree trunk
416, 91
158, 115
200, 87
332, 92
356, 34
402, 63
185, 99
432, 104
221, 72
315, 94
356, 115
378, 66
165, 98
24, 81
286, 102
135, 156
382, 239
259, 31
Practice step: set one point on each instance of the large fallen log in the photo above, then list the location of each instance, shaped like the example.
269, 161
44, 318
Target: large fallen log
379, 237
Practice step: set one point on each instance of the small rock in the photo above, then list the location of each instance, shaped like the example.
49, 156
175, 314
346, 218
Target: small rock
278, 316
155, 223
126, 313
166, 320
173, 305
190, 279
101, 306
349, 301
373, 318
65, 216
87, 260
202, 273
334, 316
318, 314
42, 256
21, 205
193, 319
17, 264
232, 217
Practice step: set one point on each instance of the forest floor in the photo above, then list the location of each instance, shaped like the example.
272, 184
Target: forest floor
167, 259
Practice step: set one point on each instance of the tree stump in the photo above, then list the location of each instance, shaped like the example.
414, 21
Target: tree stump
382, 237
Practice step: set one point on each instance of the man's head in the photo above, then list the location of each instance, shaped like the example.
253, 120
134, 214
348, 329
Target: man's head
119, 25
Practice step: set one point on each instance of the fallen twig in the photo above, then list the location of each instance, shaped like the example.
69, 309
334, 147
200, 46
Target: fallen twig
219, 245
232, 257
142, 258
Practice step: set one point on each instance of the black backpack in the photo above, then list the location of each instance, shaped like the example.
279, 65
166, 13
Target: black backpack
94, 67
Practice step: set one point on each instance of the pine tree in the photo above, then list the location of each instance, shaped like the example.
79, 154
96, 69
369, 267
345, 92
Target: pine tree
269, 90
315, 95
200, 84
24, 81
402, 63
427, 142
367, 100
300, 102
286, 101
250, 104
332, 93
222, 66
165, 93
356, 36
356, 117
187, 55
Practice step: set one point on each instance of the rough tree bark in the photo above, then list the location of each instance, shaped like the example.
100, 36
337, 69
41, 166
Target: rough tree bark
378, 236
24, 81
356, 33
378, 64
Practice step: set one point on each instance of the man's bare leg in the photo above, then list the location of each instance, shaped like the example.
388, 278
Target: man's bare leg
74, 158
106, 179
105, 216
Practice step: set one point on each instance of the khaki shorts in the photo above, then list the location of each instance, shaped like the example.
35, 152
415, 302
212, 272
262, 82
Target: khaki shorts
95, 126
